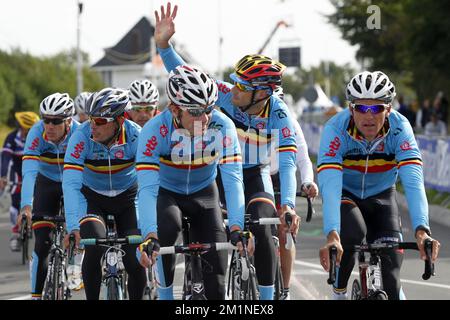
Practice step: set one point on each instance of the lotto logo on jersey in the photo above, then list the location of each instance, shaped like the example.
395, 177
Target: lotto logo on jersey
334, 146
34, 144
223, 88
79, 147
163, 130
151, 145
405, 146
286, 132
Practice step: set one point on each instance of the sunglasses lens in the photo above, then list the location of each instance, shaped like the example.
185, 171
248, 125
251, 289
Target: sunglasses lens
375, 109
242, 87
53, 121
99, 121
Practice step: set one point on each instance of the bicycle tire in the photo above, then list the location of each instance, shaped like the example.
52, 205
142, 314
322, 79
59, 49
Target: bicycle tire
47, 293
279, 285
236, 284
113, 289
252, 293
25, 256
356, 290
150, 288
124, 286
378, 295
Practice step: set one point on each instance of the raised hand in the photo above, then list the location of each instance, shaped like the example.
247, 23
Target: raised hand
165, 27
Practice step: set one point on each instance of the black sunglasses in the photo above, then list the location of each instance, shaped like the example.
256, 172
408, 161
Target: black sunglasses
55, 121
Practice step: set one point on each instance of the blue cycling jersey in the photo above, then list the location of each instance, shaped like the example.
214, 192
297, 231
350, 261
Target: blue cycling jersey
108, 171
168, 157
272, 128
347, 161
11, 160
44, 157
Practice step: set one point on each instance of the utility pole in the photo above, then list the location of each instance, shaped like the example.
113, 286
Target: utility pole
79, 61
219, 25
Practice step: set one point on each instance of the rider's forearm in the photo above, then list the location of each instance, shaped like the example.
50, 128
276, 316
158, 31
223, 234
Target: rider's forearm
288, 181
30, 169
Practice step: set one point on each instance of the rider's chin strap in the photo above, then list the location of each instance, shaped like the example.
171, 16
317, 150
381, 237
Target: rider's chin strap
253, 102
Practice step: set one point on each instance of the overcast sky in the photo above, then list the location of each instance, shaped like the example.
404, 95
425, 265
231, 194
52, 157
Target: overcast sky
45, 27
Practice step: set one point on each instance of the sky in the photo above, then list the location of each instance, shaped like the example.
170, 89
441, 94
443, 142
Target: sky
46, 27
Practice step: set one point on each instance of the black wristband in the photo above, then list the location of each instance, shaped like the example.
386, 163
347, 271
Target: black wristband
423, 228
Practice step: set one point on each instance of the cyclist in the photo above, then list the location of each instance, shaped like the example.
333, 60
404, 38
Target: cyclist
42, 169
259, 117
11, 168
144, 97
304, 165
179, 152
81, 106
99, 166
363, 150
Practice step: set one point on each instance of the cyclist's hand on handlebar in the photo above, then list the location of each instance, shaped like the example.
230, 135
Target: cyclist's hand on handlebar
311, 189
76, 233
165, 28
27, 211
421, 236
295, 220
332, 239
236, 238
150, 247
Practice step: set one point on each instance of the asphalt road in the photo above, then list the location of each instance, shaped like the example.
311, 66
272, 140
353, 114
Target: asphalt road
309, 279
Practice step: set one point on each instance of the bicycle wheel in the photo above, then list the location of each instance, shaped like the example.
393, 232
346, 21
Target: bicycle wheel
50, 291
279, 285
378, 295
113, 290
25, 256
356, 290
252, 292
124, 284
236, 283
150, 288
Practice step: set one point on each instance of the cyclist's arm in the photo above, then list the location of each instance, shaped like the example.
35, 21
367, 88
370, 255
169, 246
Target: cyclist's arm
230, 166
411, 175
74, 201
6, 154
287, 153
330, 176
30, 165
304, 163
170, 58
147, 166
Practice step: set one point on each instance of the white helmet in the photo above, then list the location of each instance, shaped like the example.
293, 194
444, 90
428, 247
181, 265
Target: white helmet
190, 87
57, 104
370, 85
143, 92
80, 102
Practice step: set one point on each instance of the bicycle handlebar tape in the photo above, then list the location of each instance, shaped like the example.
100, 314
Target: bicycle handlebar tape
332, 270
135, 239
429, 266
310, 210
88, 242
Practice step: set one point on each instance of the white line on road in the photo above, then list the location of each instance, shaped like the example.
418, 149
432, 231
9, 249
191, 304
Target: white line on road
27, 297
428, 284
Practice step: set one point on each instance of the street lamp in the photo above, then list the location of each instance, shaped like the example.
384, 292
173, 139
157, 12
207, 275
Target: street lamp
79, 62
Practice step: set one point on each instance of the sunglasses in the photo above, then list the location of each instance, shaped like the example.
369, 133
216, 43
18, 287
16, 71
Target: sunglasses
54, 121
374, 109
243, 87
143, 107
198, 112
100, 121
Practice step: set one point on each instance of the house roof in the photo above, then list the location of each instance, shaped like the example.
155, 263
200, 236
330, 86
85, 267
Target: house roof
133, 48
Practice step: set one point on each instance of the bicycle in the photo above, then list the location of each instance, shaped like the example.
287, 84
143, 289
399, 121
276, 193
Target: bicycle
25, 236
55, 285
242, 274
113, 281
193, 286
369, 286
150, 292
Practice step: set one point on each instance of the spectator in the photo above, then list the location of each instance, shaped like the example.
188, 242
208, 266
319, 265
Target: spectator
440, 106
435, 127
405, 110
423, 115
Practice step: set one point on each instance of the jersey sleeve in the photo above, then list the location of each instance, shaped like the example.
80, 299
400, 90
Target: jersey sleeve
304, 163
410, 168
330, 175
74, 201
147, 166
7, 151
230, 165
287, 154
170, 58
30, 165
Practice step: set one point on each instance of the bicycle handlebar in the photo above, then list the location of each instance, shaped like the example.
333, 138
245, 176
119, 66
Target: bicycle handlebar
260, 221
58, 218
311, 209
196, 247
332, 251
111, 242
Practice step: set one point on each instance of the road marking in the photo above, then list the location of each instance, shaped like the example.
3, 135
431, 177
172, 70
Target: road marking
428, 284
27, 297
